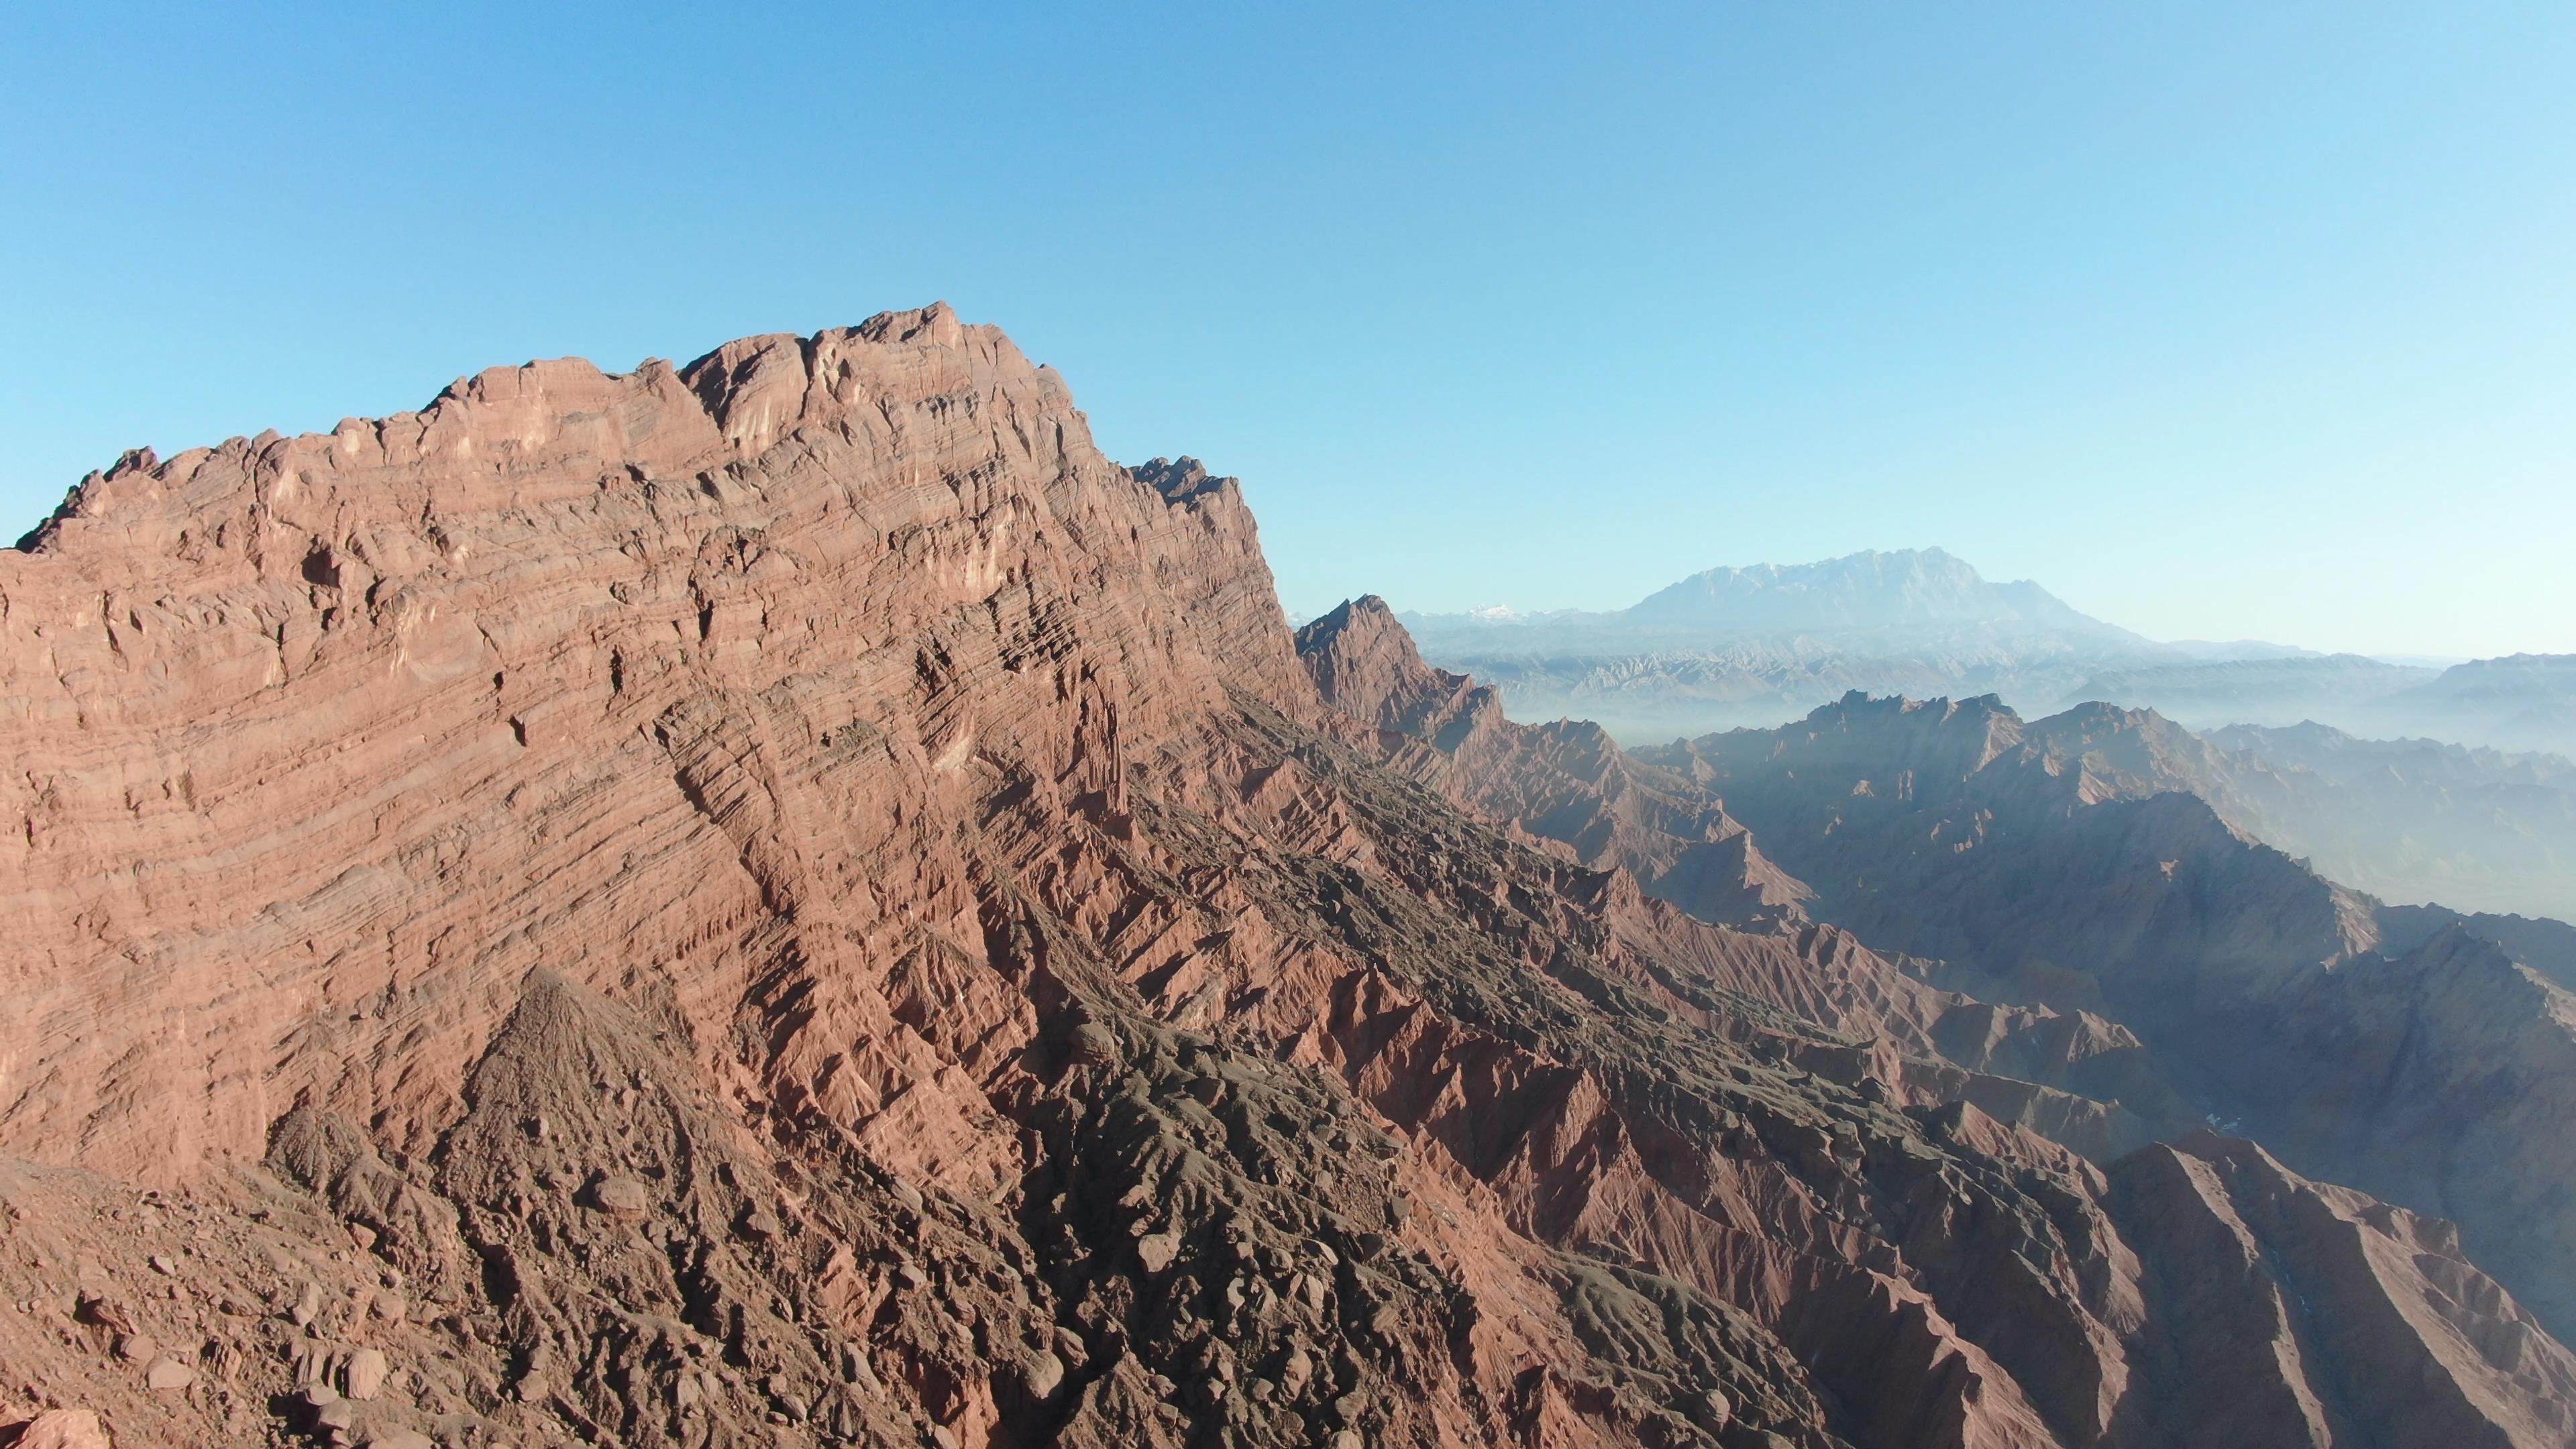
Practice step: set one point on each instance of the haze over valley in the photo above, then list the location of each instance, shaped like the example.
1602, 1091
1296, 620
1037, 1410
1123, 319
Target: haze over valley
1756, 646
2418, 783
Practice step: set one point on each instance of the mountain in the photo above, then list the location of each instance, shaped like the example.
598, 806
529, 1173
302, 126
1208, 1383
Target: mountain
1908, 589
2212, 693
2412, 821
1903, 589
2409, 821
788, 900
2221, 650
2546, 947
2068, 862
1754, 647
1567, 786
2242, 931
1757, 645
2520, 702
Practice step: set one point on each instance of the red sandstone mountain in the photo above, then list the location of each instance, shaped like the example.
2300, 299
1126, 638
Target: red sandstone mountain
788, 900
1566, 782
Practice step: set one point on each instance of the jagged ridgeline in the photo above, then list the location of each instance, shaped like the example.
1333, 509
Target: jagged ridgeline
790, 901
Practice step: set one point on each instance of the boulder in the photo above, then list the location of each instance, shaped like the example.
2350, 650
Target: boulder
1156, 1250
364, 1378
167, 1375
622, 1197
1040, 1373
64, 1429
1094, 1045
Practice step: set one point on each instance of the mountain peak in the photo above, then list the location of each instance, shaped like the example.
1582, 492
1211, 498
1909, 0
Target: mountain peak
1873, 590
1364, 663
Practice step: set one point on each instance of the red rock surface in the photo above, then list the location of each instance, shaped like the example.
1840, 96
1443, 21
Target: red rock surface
1566, 783
788, 900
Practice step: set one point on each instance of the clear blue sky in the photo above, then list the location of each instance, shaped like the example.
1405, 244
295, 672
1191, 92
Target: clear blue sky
2220, 320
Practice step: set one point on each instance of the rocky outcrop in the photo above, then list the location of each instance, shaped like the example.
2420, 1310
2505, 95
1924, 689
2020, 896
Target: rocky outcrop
1565, 783
326, 741
788, 900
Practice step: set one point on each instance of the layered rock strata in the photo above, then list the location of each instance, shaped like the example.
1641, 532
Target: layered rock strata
788, 900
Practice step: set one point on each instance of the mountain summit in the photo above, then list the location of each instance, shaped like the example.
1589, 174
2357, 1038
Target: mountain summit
1756, 645
1903, 589
1759, 645
1895, 591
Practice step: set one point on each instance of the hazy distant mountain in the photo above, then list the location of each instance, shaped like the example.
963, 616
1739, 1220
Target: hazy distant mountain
2253, 649
1906, 590
2411, 820
1755, 646
2204, 693
2522, 701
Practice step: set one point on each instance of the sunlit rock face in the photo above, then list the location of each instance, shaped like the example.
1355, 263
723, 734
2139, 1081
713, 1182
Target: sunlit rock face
789, 900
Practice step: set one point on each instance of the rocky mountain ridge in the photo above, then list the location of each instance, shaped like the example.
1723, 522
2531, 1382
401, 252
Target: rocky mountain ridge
2411, 821
788, 900
2066, 861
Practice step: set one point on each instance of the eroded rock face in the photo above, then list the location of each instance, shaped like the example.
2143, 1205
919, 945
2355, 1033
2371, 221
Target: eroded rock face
2291, 1286
1567, 784
789, 900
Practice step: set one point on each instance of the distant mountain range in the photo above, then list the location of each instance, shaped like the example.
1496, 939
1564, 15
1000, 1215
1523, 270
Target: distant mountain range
2522, 702
1911, 589
1754, 647
2274, 691
1904, 591
2132, 962
2410, 821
